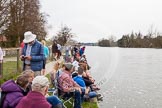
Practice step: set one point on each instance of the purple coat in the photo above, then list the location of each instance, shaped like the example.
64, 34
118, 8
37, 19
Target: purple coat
14, 94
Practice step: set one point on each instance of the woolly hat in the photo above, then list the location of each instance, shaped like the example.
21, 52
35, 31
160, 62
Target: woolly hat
69, 66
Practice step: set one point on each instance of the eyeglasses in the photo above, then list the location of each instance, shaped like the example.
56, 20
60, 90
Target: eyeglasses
30, 42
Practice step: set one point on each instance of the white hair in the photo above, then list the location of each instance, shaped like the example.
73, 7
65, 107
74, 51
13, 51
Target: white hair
39, 82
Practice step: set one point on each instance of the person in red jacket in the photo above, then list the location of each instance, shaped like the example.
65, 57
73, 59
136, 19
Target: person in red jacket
21, 47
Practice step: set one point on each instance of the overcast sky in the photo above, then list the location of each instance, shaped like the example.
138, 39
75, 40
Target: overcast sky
92, 20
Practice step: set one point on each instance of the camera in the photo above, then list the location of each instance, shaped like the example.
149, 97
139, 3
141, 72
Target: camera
23, 57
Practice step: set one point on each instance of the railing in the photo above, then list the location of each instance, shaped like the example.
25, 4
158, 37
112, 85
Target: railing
10, 63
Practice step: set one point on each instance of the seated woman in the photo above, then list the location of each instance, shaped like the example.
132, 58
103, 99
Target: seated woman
36, 97
53, 73
89, 81
30, 76
53, 100
14, 90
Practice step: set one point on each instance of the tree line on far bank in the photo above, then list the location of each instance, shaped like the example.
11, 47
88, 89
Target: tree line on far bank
134, 40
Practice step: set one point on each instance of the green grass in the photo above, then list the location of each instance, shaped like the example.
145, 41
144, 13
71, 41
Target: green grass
10, 71
84, 105
90, 105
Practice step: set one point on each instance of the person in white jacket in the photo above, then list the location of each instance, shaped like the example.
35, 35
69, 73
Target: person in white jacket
1, 54
1, 59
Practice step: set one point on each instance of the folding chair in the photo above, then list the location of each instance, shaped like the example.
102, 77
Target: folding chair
58, 92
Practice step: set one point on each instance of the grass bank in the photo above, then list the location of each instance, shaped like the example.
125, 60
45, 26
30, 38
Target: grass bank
10, 71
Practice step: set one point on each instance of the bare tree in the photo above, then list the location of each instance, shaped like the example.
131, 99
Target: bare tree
22, 15
4, 9
64, 35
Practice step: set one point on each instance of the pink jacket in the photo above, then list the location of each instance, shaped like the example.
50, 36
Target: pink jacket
33, 100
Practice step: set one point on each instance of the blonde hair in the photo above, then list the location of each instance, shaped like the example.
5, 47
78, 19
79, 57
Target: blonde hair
43, 42
56, 66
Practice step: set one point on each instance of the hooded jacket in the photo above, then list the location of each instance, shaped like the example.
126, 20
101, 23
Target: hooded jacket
14, 94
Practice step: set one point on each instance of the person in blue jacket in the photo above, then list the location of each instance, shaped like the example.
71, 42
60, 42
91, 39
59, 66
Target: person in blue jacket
32, 53
79, 80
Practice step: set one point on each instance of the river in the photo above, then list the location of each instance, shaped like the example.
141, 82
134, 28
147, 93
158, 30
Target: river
128, 77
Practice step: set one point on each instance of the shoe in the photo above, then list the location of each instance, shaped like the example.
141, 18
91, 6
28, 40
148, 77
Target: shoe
54, 59
99, 97
86, 98
95, 89
51, 89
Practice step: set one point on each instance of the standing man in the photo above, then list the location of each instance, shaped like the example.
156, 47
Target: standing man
21, 47
81, 51
55, 50
59, 51
1, 60
32, 53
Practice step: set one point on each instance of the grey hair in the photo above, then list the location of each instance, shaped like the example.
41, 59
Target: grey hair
39, 82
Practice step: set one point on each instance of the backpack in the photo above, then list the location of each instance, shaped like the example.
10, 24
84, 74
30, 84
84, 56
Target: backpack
2, 98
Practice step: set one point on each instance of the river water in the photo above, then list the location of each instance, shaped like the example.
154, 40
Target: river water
128, 77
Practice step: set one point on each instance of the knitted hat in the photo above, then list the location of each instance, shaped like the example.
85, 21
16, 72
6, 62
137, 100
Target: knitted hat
69, 66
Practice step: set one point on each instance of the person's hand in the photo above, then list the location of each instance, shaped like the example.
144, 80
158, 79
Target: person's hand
92, 79
79, 89
28, 57
22, 57
87, 89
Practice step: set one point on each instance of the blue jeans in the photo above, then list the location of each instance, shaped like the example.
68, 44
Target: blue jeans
55, 101
77, 98
77, 101
92, 94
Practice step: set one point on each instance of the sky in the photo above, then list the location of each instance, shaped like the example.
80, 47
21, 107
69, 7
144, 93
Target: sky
91, 20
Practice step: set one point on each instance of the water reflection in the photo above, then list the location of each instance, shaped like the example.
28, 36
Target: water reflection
129, 78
